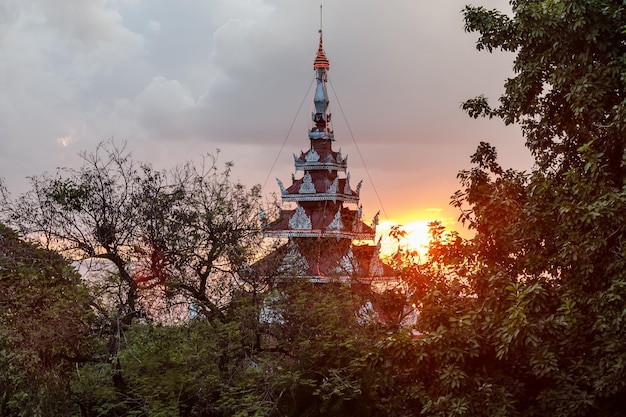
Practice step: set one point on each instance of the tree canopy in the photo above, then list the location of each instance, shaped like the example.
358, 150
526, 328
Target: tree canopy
527, 314
45, 325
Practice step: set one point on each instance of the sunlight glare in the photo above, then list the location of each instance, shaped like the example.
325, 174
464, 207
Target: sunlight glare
417, 236
416, 239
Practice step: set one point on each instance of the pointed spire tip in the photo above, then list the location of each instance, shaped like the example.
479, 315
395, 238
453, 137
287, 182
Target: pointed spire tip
321, 62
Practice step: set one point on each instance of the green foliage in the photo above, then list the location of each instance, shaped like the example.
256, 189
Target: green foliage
525, 318
315, 339
167, 371
306, 364
45, 327
569, 84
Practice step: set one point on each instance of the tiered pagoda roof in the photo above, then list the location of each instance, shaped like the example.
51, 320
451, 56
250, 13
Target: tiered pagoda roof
322, 232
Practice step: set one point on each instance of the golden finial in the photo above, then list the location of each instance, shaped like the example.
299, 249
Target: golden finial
320, 59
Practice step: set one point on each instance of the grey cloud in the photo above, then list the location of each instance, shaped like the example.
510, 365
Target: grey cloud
85, 21
180, 78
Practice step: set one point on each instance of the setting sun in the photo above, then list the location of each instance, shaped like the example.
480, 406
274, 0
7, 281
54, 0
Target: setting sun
416, 237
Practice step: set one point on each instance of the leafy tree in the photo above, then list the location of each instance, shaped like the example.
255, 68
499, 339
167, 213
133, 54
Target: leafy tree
562, 254
170, 370
154, 242
303, 365
569, 86
45, 328
187, 230
315, 333
88, 215
525, 318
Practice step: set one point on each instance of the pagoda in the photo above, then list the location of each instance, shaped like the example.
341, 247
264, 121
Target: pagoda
320, 216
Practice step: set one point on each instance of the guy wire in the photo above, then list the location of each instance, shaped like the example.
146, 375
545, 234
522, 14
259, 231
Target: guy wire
287, 135
382, 207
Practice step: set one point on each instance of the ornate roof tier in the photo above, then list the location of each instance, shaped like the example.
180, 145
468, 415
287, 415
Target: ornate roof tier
301, 222
309, 189
311, 160
316, 134
320, 234
328, 166
336, 197
340, 262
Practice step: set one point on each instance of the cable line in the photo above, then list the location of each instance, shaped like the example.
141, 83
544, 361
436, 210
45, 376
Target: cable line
382, 207
287, 135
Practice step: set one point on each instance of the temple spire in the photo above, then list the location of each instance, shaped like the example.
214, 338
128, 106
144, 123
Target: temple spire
321, 62
321, 14
325, 227
321, 118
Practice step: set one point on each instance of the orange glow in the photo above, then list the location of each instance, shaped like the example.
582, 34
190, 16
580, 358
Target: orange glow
416, 231
416, 237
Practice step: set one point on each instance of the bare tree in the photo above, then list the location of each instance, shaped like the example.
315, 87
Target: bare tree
201, 230
189, 231
87, 214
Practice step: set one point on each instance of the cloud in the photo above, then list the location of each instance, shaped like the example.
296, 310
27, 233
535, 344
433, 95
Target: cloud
86, 21
51, 55
162, 108
177, 79
153, 26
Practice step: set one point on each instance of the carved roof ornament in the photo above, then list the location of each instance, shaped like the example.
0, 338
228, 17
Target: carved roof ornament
376, 266
358, 188
307, 186
293, 263
339, 157
357, 224
336, 224
300, 220
281, 186
347, 263
375, 220
345, 266
312, 156
333, 187
346, 188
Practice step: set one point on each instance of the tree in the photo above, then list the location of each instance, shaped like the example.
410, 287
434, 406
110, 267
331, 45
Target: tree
525, 318
569, 88
182, 369
88, 215
201, 232
311, 334
46, 328
187, 230
151, 239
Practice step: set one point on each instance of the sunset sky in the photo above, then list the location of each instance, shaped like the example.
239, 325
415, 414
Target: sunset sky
179, 78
